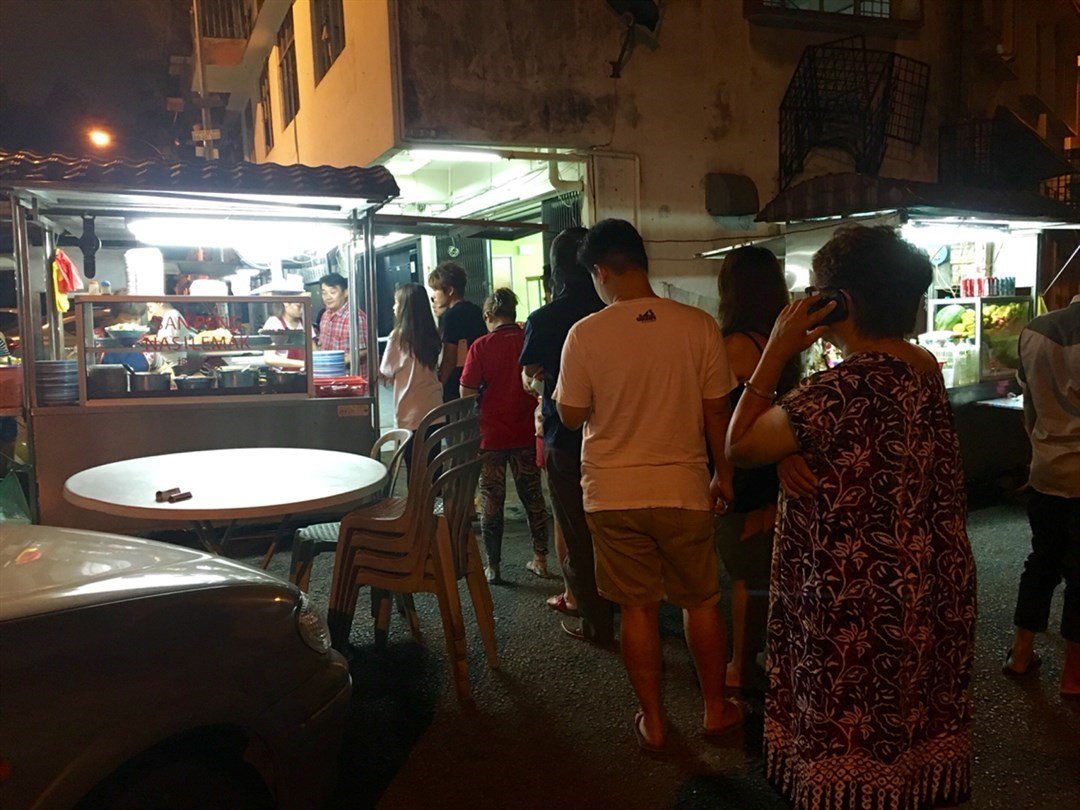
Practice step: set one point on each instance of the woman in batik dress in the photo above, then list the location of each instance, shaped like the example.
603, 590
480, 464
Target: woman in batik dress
872, 601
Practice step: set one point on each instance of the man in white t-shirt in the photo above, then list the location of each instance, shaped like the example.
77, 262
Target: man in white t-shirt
649, 380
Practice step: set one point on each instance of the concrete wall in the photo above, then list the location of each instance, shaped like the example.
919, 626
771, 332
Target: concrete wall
347, 119
706, 99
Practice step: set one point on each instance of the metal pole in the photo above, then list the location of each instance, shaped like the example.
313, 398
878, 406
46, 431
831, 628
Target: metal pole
56, 318
352, 302
209, 152
372, 300
28, 331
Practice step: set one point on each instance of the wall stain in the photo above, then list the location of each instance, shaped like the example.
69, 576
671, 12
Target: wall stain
722, 117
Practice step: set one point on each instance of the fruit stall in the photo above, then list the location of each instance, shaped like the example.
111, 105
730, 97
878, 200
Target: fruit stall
994, 252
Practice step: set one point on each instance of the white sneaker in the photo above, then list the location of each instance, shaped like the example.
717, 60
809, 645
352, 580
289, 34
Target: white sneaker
491, 573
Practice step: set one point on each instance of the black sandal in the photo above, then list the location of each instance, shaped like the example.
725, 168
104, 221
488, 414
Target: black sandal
1032, 667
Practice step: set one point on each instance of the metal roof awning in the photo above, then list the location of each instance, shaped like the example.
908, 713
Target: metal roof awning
210, 187
840, 195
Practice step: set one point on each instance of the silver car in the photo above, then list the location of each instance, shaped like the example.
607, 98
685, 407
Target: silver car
136, 673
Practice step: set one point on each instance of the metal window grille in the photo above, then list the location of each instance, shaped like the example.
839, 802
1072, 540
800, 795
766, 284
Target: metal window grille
327, 34
290, 88
225, 19
264, 102
878, 9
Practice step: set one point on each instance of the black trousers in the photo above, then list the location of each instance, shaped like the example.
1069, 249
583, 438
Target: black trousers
1055, 555
564, 481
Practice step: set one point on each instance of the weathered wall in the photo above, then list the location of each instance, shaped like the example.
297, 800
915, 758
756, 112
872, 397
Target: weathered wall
347, 119
706, 99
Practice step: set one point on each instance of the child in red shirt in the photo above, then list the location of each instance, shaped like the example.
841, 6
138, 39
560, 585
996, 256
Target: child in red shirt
507, 434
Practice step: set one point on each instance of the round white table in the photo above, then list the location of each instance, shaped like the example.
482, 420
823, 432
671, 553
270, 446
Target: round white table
227, 485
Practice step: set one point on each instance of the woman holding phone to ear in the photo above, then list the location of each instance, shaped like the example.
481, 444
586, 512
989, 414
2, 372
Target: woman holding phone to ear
872, 597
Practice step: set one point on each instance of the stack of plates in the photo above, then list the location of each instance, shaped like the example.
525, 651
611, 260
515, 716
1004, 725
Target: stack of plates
328, 364
57, 382
145, 271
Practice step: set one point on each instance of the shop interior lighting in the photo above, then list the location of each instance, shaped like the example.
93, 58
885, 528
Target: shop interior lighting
927, 234
261, 237
455, 155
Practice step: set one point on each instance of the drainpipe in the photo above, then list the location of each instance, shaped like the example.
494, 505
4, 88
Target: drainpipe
558, 183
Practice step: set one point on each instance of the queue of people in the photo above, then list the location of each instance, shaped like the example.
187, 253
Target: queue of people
836, 503
870, 632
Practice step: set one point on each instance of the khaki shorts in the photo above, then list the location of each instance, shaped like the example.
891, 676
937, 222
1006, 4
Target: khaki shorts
646, 555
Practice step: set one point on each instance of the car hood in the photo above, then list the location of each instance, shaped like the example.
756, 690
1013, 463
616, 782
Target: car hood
44, 569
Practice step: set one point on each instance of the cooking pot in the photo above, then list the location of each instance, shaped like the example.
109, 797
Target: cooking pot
108, 378
237, 377
194, 383
149, 381
287, 382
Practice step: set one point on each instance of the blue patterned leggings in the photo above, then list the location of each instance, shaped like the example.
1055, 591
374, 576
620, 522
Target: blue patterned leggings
522, 462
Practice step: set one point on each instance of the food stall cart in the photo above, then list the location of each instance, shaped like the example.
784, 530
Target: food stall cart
249, 239
987, 247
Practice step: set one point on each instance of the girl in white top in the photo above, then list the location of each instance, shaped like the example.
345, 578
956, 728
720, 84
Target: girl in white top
286, 317
411, 359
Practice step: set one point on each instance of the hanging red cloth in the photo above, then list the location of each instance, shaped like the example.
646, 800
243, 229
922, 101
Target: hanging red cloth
65, 278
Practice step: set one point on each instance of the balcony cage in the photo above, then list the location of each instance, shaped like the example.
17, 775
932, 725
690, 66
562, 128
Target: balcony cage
227, 19
1066, 187
1000, 152
846, 96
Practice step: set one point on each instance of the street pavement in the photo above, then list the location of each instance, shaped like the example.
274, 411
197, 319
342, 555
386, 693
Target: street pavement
552, 727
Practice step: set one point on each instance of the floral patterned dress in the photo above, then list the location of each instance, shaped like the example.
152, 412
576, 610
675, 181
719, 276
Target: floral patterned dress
872, 602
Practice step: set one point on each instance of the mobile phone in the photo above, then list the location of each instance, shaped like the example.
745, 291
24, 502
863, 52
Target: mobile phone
822, 299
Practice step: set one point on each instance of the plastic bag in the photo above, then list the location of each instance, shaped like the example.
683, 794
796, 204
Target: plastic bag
13, 505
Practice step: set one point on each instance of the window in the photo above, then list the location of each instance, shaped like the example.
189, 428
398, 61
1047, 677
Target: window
290, 89
860, 8
264, 102
249, 131
327, 34
855, 16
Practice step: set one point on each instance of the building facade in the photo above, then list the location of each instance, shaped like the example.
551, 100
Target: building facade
666, 113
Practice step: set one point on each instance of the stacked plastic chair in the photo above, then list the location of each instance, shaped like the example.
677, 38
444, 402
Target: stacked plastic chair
310, 541
423, 543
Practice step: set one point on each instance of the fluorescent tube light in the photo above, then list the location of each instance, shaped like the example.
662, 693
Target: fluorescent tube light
282, 238
455, 155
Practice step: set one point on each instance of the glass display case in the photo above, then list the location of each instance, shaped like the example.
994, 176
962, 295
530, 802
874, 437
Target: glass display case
136, 347
976, 338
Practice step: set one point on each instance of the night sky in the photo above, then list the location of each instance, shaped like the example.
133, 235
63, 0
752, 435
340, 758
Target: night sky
67, 65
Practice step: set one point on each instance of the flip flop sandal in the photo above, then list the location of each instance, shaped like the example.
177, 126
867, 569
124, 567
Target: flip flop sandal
720, 734
1032, 667
558, 603
642, 741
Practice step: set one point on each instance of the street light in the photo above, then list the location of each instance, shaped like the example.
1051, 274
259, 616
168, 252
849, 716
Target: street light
103, 139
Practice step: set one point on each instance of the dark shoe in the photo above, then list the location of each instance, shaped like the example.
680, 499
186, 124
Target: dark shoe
642, 740
558, 603
1032, 667
580, 632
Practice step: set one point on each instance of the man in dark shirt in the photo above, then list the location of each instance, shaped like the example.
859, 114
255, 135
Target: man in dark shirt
462, 322
545, 333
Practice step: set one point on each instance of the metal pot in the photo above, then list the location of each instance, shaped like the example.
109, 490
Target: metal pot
194, 383
236, 377
149, 381
287, 382
108, 378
